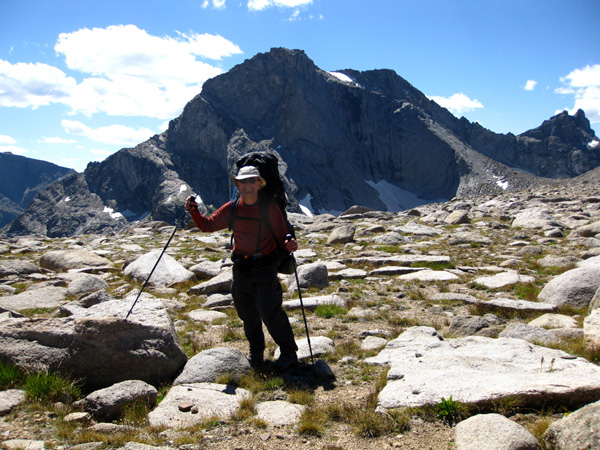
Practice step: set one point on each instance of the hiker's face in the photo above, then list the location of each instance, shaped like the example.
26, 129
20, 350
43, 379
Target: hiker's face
249, 185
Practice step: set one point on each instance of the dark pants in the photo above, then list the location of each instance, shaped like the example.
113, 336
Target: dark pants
257, 296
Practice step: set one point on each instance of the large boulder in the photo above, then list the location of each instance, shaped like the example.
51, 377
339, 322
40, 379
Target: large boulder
167, 272
481, 371
63, 260
589, 230
109, 403
591, 328
529, 333
207, 366
578, 430
86, 283
17, 267
10, 399
533, 218
46, 297
191, 404
493, 432
595, 303
220, 283
98, 345
575, 287
309, 275
342, 234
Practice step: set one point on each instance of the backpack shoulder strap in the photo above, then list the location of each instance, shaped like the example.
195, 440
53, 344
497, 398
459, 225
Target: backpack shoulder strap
264, 216
233, 213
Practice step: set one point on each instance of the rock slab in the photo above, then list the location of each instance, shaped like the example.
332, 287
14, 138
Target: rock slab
480, 370
213, 401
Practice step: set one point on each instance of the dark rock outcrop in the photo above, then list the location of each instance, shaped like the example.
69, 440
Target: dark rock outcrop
344, 138
21, 179
562, 147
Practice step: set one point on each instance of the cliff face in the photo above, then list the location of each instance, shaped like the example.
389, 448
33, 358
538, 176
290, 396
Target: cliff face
344, 138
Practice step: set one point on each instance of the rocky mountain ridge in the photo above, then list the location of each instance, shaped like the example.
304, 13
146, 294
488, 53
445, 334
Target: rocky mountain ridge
21, 179
384, 143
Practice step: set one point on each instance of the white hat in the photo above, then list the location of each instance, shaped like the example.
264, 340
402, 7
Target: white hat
250, 172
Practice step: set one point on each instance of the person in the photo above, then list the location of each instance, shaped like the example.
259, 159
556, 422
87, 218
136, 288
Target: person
257, 294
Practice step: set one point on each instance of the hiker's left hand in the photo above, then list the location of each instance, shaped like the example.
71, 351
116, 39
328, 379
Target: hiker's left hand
291, 245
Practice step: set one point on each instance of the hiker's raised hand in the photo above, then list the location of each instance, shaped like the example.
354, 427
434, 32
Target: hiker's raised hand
291, 245
190, 203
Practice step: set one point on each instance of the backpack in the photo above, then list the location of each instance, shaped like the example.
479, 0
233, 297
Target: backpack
274, 191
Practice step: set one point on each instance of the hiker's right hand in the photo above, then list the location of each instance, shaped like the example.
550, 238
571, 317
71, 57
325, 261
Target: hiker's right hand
190, 203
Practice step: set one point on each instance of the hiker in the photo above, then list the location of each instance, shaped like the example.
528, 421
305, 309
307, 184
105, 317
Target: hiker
257, 294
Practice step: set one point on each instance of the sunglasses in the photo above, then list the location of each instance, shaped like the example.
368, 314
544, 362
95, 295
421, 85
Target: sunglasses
248, 181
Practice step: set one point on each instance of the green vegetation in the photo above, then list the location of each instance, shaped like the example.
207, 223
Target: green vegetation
47, 387
451, 411
44, 387
329, 311
11, 377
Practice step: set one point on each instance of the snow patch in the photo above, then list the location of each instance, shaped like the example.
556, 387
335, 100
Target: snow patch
594, 144
114, 215
344, 78
395, 198
501, 182
183, 188
67, 199
306, 206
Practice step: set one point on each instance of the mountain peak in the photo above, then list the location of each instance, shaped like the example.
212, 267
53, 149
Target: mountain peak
362, 138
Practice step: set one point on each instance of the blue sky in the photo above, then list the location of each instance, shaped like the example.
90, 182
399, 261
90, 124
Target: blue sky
81, 79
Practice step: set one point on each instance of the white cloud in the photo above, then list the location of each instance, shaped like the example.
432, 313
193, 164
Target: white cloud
134, 73
584, 85
126, 71
5, 140
457, 103
259, 5
7, 145
56, 140
217, 4
25, 85
163, 126
530, 85
114, 134
14, 149
101, 152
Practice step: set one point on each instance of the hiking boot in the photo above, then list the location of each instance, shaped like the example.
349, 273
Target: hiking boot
285, 362
256, 359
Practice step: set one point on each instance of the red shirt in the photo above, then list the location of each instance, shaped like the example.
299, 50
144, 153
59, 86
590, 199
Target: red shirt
245, 232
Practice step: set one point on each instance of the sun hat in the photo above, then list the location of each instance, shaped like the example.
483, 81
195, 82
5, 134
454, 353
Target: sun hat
249, 172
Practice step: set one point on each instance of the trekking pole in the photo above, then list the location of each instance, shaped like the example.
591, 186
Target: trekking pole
312, 360
156, 264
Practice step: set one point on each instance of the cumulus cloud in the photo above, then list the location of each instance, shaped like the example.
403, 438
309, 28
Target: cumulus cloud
25, 85
125, 70
457, 103
15, 150
135, 73
101, 152
7, 144
259, 5
113, 134
530, 85
217, 4
6, 140
584, 86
